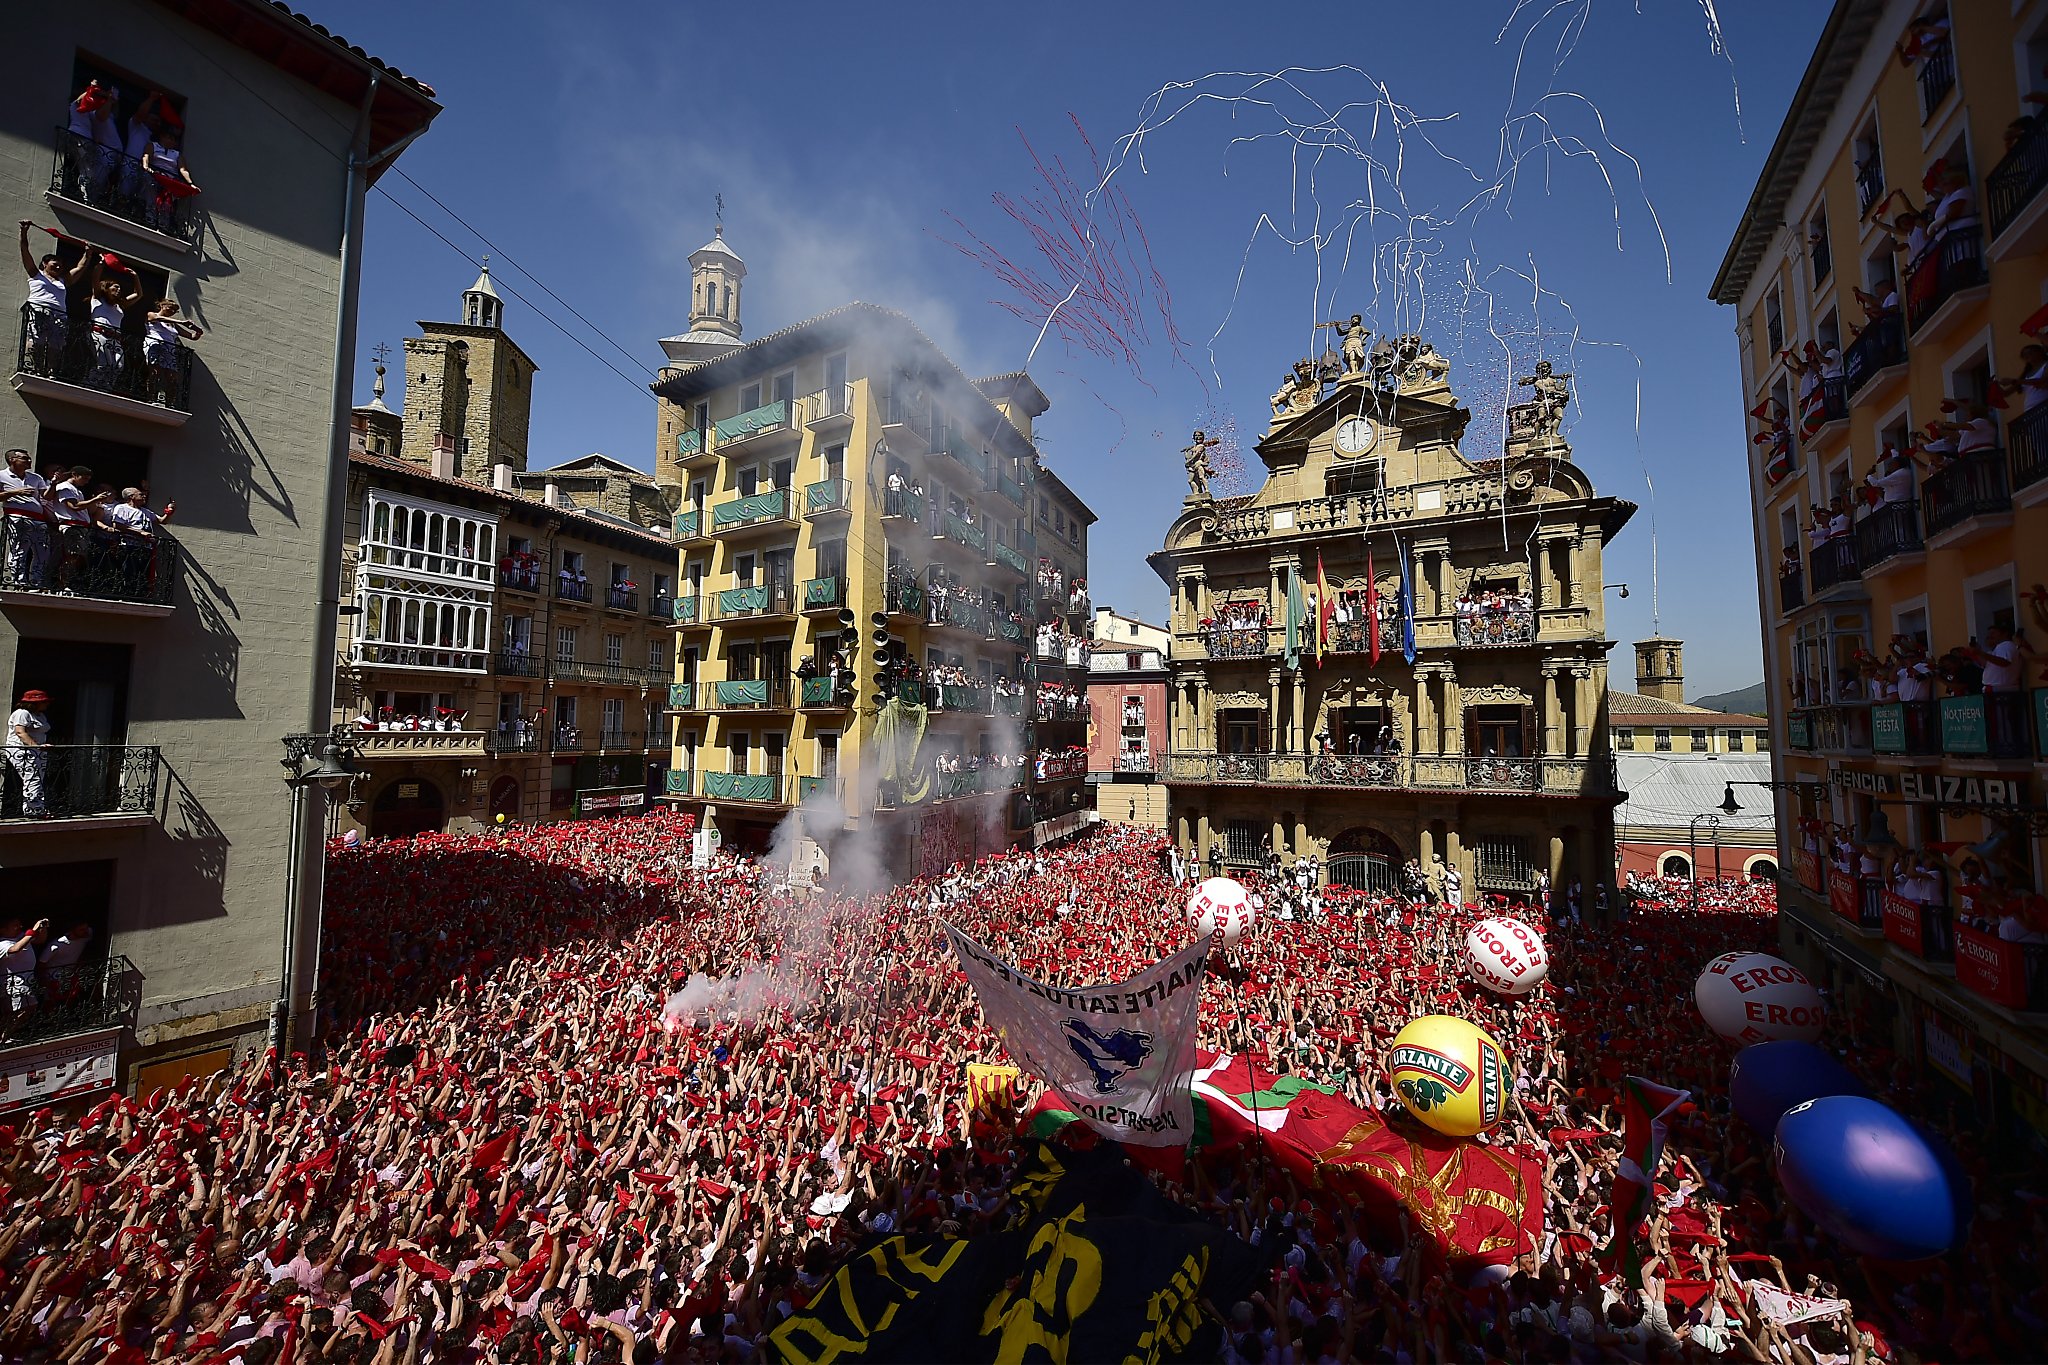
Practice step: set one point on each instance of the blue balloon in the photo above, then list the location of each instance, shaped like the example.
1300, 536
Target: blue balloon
1868, 1178
1769, 1078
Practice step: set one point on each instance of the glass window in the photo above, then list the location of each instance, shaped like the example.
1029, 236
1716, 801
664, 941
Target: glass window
565, 644
1663, 740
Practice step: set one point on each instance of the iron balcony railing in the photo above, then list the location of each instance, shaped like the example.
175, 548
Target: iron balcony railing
827, 692
2017, 179
1937, 78
78, 781
1891, 529
1985, 725
755, 600
1833, 562
512, 739
745, 426
389, 654
112, 182
961, 531
71, 351
822, 405
1905, 727
955, 612
690, 525
901, 502
1011, 560
661, 606
80, 998
1971, 485
1834, 400
902, 594
1823, 260
1951, 265
1424, 772
569, 590
824, 594
1352, 637
1489, 628
677, 782
569, 739
622, 599
1004, 628
688, 612
765, 787
1140, 761
1881, 346
1246, 643
733, 694
1791, 591
828, 496
1869, 182
520, 577
86, 562
2027, 436
975, 781
769, 507
620, 740
976, 698
604, 671
1061, 767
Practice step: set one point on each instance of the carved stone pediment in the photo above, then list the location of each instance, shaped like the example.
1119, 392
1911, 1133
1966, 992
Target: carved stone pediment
1241, 701
1496, 692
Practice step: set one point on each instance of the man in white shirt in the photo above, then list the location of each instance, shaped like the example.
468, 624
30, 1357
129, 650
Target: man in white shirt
24, 500
2002, 660
67, 950
75, 514
136, 525
18, 962
26, 745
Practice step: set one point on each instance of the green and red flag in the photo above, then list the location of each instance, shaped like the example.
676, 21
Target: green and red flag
1646, 1121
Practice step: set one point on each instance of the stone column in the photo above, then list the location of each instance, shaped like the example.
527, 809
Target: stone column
1556, 866
1425, 715
1553, 719
1279, 836
1592, 579
1425, 845
1276, 719
1202, 838
1205, 716
1454, 856
1454, 713
1446, 591
1582, 710
1301, 719
1575, 579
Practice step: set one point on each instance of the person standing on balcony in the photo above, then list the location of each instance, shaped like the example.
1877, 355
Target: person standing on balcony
110, 307
76, 515
1974, 431
2032, 383
25, 501
163, 336
2002, 660
1955, 209
26, 747
50, 284
136, 527
173, 184
95, 139
18, 963
66, 950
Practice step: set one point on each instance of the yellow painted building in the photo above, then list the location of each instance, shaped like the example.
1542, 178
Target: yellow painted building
1901, 561
842, 490
1486, 744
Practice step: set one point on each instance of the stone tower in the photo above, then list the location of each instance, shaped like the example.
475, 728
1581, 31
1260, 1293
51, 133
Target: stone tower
468, 390
716, 273
1660, 668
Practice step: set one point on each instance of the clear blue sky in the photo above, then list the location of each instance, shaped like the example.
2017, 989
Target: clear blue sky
587, 143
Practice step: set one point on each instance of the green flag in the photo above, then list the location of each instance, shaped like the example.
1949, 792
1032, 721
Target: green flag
1297, 617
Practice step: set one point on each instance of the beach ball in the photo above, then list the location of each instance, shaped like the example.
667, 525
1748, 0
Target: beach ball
1870, 1180
351, 839
1221, 905
1451, 1075
1769, 1078
1506, 956
1757, 998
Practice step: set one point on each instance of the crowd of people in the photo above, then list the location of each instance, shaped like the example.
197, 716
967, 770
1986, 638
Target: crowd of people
575, 1098
70, 533
1061, 701
137, 172
91, 320
1238, 629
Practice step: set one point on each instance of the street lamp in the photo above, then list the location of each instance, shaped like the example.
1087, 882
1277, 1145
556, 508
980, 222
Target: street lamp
1728, 806
327, 762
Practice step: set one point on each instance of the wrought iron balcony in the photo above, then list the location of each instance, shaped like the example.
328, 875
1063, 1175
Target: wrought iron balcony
1881, 345
662, 606
1010, 559
772, 507
518, 663
752, 424
961, 531
66, 358
1951, 265
1971, 485
568, 739
824, 594
2014, 975
826, 406
2027, 436
1061, 767
569, 590
823, 694
678, 782
1834, 400
606, 672
758, 601
522, 739
1489, 628
828, 497
80, 998
1791, 591
1833, 562
1003, 628
955, 612
975, 782
385, 654
975, 698
901, 502
1592, 777
689, 445
78, 781
79, 567
767, 788
688, 612
620, 741
690, 525
1351, 637
903, 595
622, 599
733, 694
1247, 643
1986, 725
1892, 529
1138, 761
1905, 727
519, 577
120, 186
2017, 179
1869, 182
1937, 78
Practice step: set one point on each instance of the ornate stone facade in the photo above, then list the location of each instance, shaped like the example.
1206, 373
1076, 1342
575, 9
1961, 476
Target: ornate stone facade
1456, 707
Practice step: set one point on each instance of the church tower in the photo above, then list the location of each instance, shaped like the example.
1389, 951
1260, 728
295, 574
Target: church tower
716, 273
468, 391
1660, 669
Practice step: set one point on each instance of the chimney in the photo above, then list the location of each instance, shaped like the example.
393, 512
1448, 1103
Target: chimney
442, 464
551, 494
501, 477
1660, 669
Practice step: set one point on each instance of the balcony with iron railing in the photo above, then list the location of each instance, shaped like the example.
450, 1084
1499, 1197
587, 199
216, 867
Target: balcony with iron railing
1869, 182
2012, 975
972, 698
1951, 267
767, 510
823, 594
767, 425
1921, 929
1010, 559
620, 741
112, 185
1006, 629
827, 498
1067, 767
906, 423
1986, 725
432, 658
733, 694
761, 788
949, 786
1905, 727
960, 531
690, 611
46, 564
678, 782
1791, 591
661, 606
617, 597
692, 448
954, 612
1486, 629
605, 672
1879, 348
1889, 533
1833, 563
1834, 401
2027, 437
517, 574
568, 739
1246, 643
759, 601
84, 997
1837, 728
104, 782
903, 503
903, 595
1135, 761
1592, 777
691, 526
827, 409
828, 694
69, 360
1353, 637
1971, 485
2016, 181
572, 590
1937, 77
510, 738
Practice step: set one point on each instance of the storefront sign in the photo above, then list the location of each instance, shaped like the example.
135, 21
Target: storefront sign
1876, 784
1800, 731
1948, 1051
1948, 788
1963, 725
1888, 727
1842, 895
1902, 922
78, 1065
593, 803
1991, 967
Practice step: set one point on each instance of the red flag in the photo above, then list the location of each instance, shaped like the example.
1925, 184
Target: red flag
1646, 1112
495, 1152
1372, 610
1326, 610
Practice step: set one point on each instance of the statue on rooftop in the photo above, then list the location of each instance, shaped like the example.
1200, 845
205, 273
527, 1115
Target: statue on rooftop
1200, 471
1354, 337
1550, 393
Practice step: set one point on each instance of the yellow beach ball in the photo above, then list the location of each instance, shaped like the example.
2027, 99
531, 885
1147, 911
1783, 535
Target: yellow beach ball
1450, 1074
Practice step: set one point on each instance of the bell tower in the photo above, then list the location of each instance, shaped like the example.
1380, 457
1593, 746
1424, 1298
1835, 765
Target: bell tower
1660, 669
716, 272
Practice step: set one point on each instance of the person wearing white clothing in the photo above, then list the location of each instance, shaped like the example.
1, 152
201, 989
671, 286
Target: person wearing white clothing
163, 336
50, 283
66, 950
26, 745
18, 962
109, 317
75, 514
25, 502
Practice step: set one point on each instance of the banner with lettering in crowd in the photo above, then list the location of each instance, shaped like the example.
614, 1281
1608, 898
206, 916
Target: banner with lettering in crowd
1124, 1054
1095, 1264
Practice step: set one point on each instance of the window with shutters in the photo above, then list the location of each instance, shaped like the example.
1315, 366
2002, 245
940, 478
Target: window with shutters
1502, 865
1241, 842
565, 644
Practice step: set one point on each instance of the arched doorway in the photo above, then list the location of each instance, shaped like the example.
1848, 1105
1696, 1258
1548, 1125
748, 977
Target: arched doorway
1761, 869
505, 798
407, 807
1674, 865
1364, 859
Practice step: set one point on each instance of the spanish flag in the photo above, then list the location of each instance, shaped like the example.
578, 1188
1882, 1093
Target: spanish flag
1326, 610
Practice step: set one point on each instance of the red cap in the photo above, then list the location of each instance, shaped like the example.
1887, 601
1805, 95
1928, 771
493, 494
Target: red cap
35, 694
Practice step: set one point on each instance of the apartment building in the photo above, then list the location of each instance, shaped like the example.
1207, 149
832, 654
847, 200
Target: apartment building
881, 591
1360, 672
176, 657
1897, 478
1127, 705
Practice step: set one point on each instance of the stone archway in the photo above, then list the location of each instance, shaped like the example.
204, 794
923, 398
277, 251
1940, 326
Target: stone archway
1365, 859
408, 806
505, 798
1762, 868
1674, 865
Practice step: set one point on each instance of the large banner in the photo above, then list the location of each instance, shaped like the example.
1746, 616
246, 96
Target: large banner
1123, 1055
1097, 1265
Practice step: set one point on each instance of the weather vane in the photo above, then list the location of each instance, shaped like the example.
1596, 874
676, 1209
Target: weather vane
380, 350
719, 200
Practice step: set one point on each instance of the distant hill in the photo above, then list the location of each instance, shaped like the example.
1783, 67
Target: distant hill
1747, 702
